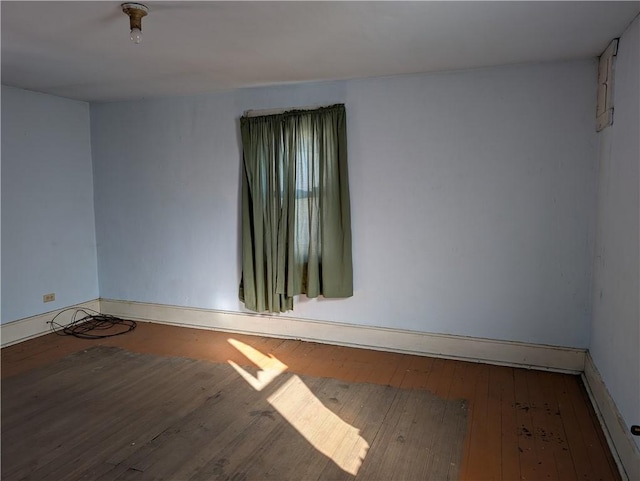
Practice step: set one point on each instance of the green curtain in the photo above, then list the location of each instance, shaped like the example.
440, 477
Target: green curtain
296, 220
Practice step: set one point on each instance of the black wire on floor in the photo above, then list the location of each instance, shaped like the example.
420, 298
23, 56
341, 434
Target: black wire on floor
88, 324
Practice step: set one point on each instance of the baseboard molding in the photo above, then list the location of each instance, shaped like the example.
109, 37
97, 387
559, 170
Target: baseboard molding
621, 443
453, 347
34, 326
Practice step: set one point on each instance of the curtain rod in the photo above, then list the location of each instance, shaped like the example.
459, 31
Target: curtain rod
258, 113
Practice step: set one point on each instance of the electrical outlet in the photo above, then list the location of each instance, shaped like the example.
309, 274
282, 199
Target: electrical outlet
49, 297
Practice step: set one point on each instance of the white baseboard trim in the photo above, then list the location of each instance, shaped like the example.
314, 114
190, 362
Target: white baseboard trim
621, 443
491, 351
34, 326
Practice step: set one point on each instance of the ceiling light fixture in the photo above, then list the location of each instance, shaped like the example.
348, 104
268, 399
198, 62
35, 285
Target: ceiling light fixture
135, 11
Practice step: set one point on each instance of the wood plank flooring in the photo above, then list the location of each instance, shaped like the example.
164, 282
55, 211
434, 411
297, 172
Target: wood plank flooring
519, 424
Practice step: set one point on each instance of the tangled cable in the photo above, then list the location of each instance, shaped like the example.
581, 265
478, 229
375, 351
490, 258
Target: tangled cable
90, 324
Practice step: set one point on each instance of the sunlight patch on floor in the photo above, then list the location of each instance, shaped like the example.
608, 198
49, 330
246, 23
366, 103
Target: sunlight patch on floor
270, 367
296, 403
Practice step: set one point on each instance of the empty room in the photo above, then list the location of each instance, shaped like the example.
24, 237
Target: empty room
320, 240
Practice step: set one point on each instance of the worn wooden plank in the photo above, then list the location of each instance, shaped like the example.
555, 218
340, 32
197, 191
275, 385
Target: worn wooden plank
601, 468
597, 428
468, 391
480, 457
509, 452
553, 434
444, 438
440, 381
494, 423
539, 408
526, 442
462, 389
426, 447
443, 386
571, 423
444, 464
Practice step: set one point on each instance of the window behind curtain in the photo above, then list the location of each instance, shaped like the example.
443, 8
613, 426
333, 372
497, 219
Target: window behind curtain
296, 213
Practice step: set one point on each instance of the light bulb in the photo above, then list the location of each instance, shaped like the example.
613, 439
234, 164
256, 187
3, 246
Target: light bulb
136, 35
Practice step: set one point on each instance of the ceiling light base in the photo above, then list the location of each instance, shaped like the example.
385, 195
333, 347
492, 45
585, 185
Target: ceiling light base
135, 11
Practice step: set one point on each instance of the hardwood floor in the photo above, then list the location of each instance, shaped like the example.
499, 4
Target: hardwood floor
520, 424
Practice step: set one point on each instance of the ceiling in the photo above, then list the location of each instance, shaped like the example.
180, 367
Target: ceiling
82, 50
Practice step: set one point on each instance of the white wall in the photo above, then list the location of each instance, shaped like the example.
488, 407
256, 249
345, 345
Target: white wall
615, 331
48, 228
472, 200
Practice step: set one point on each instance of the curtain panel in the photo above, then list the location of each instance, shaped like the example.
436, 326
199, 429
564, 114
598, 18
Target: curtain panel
296, 220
